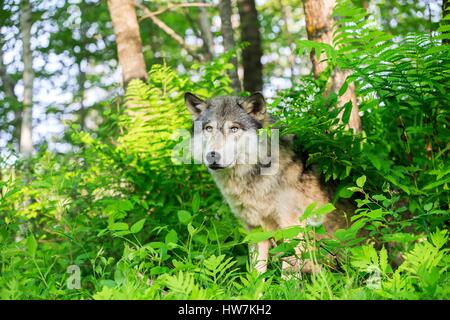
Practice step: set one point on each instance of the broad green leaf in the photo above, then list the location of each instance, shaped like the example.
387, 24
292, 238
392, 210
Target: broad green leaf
361, 181
184, 216
32, 245
287, 233
258, 236
309, 211
326, 208
135, 228
118, 226
171, 237
195, 203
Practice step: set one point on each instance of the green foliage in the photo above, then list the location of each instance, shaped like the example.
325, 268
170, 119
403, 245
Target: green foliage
404, 147
160, 102
140, 227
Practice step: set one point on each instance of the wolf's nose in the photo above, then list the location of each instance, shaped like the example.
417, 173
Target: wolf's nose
212, 157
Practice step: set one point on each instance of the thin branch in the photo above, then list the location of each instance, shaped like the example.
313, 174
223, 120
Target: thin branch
166, 29
181, 5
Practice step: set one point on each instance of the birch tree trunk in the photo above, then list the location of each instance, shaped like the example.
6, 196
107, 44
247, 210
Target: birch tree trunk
26, 133
251, 55
225, 12
319, 26
128, 40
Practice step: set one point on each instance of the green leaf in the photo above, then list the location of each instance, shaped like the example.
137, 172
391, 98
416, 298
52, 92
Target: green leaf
287, 233
342, 91
379, 197
347, 112
343, 192
258, 236
309, 211
375, 214
312, 211
436, 184
195, 203
32, 245
158, 270
122, 205
326, 208
355, 189
361, 181
118, 226
135, 228
285, 248
171, 237
184, 217
191, 229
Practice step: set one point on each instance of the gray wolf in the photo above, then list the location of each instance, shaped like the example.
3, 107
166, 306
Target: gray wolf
227, 128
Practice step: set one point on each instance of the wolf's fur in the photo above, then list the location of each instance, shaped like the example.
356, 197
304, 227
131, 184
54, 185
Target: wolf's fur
271, 201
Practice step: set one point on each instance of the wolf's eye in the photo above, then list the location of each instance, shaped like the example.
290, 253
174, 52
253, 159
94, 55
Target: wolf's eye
234, 129
209, 128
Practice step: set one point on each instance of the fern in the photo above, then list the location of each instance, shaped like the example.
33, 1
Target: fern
366, 258
403, 83
427, 256
183, 286
218, 269
154, 111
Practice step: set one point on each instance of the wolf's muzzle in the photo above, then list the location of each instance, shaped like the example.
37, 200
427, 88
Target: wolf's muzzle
212, 159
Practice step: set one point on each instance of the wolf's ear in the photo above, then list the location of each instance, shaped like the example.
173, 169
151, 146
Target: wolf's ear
255, 105
194, 104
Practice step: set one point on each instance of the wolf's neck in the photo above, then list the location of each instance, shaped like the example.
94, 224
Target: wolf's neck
239, 171
248, 176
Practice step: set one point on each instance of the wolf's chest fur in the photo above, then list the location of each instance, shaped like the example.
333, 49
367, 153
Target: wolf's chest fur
271, 201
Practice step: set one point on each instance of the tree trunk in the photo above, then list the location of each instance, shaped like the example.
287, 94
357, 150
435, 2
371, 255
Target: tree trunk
7, 82
205, 31
445, 11
319, 26
81, 79
225, 12
128, 40
8, 88
26, 129
251, 55
26, 136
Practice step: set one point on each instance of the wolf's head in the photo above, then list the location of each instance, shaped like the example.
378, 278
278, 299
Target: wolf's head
225, 129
